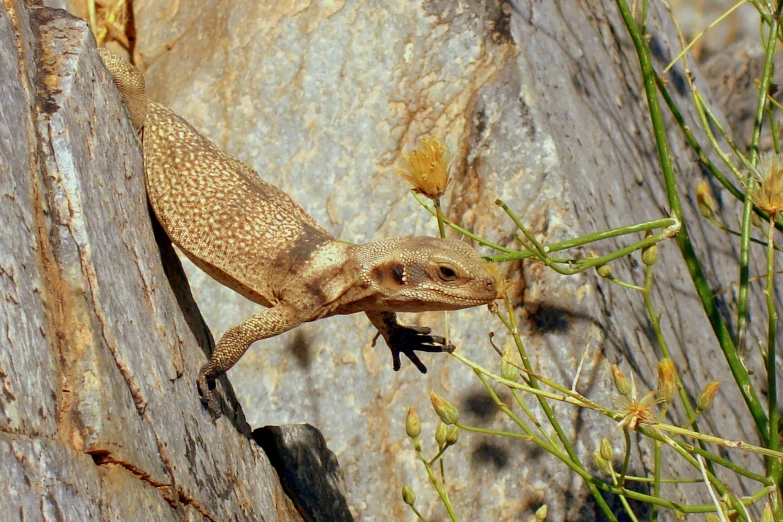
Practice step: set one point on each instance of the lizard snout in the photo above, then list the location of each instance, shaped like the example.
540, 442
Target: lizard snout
490, 285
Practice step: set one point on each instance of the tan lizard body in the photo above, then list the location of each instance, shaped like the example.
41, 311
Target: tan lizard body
251, 237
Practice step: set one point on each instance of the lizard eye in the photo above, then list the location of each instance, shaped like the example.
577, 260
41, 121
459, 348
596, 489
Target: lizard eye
446, 273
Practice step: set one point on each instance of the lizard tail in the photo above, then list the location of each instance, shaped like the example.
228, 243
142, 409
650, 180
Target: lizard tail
130, 83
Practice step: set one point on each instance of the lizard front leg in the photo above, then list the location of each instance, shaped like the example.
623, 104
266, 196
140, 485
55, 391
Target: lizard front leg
235, 342
407, 340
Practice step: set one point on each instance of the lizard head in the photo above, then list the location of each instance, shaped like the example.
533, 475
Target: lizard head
417, 274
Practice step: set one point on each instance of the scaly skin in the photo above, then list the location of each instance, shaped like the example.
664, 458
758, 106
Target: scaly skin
253, 238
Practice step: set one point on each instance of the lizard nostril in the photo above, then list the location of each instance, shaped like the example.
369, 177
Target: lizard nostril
490, 284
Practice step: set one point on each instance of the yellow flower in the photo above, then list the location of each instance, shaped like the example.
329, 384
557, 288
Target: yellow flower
636, 411
427, 168
765, 186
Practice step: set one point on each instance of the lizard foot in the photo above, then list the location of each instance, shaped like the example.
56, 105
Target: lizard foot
208, 397
408, 340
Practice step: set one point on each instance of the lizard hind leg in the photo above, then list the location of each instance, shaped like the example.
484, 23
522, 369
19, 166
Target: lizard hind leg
235, 342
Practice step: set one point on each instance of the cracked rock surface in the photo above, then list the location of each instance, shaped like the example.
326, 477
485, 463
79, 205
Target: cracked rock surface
99, 414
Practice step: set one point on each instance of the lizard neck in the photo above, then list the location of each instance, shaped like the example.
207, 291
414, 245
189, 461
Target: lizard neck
361, 266
340, 276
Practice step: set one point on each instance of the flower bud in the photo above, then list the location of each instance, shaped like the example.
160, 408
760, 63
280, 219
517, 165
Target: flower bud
452, 436
704, 401
606, 449
541, 513
666, 383
447, 413
620, 381
604, 271
412, 424
407, 495
704, 200
600, 462
755, 220
650, 255
507, 368
440, 434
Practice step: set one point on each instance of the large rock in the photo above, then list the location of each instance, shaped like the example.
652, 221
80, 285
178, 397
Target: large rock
99, 415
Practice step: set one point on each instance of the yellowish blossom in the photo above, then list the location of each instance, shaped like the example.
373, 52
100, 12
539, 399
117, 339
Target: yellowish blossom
427, 168
636, 411
707, 395
641, 411
765, 186
666, 380
705, 200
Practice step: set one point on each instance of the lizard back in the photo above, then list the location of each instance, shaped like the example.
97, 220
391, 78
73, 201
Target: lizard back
242, 231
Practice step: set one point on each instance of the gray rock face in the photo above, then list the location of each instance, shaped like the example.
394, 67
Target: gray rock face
99, 415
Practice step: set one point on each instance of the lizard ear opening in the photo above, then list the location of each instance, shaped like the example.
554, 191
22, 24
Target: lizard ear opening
398, 273
389, 275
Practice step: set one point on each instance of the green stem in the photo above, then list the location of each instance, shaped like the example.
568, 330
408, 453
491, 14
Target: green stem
656, 477
703, 111
656, 326
623, 500
540, 252
442, 232
575, 399
438, 455
488, 431
739, 234
774, 467
719, 486
774, 127
694, 144
713, 121
440, 490
550, 415
464, 232
730, 352
554, 247
416, 512
627, 459
439, 217
766, 78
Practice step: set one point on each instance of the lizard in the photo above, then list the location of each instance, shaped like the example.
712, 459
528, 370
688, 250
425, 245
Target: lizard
252, 237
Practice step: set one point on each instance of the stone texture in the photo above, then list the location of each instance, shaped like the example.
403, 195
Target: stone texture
732, 74
308, 470
99, 417
547, 111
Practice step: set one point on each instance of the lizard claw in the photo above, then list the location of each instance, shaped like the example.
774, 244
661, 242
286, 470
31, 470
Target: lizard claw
208, 397
408, 340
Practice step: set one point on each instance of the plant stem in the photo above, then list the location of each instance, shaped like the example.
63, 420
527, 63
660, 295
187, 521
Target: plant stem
766, 78
730, 352
774, 468
438, 488
550, 415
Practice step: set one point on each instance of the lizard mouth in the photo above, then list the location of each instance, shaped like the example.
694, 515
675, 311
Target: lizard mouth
444, 301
